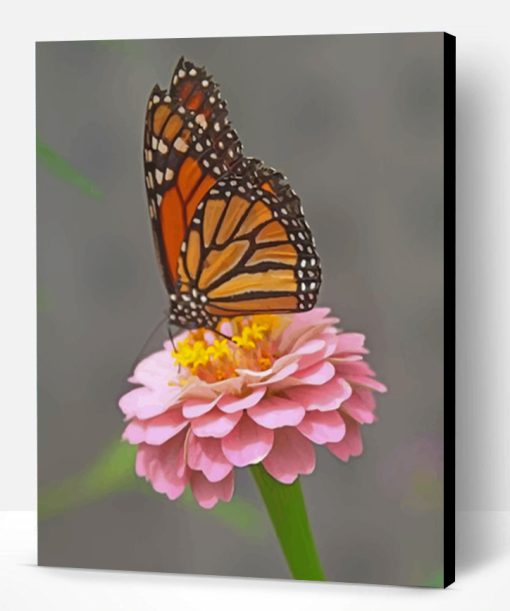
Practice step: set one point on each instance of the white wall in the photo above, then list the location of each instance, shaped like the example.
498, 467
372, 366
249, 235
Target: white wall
483, 49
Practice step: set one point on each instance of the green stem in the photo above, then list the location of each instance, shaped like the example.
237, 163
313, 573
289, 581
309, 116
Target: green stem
286, 507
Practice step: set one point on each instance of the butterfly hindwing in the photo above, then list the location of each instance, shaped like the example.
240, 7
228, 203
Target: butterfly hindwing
248, 250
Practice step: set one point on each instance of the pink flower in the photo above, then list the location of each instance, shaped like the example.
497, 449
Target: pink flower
280, 385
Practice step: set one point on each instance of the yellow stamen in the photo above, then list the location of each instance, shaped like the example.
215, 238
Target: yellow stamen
219, 349
251, 346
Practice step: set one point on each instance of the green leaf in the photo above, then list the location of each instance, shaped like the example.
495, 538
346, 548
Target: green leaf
286, 507
113, 472
63, 170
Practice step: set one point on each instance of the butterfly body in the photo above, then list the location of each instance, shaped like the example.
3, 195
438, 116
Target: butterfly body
230, 234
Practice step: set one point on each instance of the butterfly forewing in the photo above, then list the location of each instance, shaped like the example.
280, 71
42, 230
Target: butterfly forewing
188, 144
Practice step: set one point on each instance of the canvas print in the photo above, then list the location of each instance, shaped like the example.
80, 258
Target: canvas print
243, 249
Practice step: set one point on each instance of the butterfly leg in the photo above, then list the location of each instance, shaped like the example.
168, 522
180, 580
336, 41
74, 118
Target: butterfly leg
170, 334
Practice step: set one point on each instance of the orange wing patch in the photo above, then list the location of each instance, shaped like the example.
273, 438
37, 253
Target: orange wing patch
236, 209
161, 114
193, 253
285, 254
271, 280
173, 227
254, 306
220, 262
272, 232
189, 176
172, 128
213, 212
258, 214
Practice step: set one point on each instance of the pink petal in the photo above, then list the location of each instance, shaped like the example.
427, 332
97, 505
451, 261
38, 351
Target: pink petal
367, 382
299, 323
327, 397
168, 482
345, 358
305, 320
208, 493
312, 316
215, 423
290, 456
284, 372
351, 444
164, 466
359, 368
252, 375
155, 370
145, 454
350, 342
146, 403
322, 427
227, 329
291, 342
328, 348
228, 386
316, 374
248, 443
197, 390
192, 408
230, 403
275, 412
312, 346
157, 430
206, 455
360, 406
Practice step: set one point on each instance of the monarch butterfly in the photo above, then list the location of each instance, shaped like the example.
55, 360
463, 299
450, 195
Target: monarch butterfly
230, 234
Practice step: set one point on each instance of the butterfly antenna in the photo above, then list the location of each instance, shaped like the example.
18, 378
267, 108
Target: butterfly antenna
218, 332
148, 341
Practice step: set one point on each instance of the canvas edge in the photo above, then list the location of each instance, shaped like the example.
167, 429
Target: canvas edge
449, 309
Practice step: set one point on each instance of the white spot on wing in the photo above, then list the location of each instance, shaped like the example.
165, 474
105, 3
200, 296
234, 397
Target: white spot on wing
200, 120
180, 145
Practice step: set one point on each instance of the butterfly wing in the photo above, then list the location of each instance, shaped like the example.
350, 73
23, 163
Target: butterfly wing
249, 250
188, 144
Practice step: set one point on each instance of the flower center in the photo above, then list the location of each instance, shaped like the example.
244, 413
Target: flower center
212, 358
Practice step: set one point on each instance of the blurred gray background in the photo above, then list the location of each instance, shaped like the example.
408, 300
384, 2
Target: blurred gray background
356, 123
